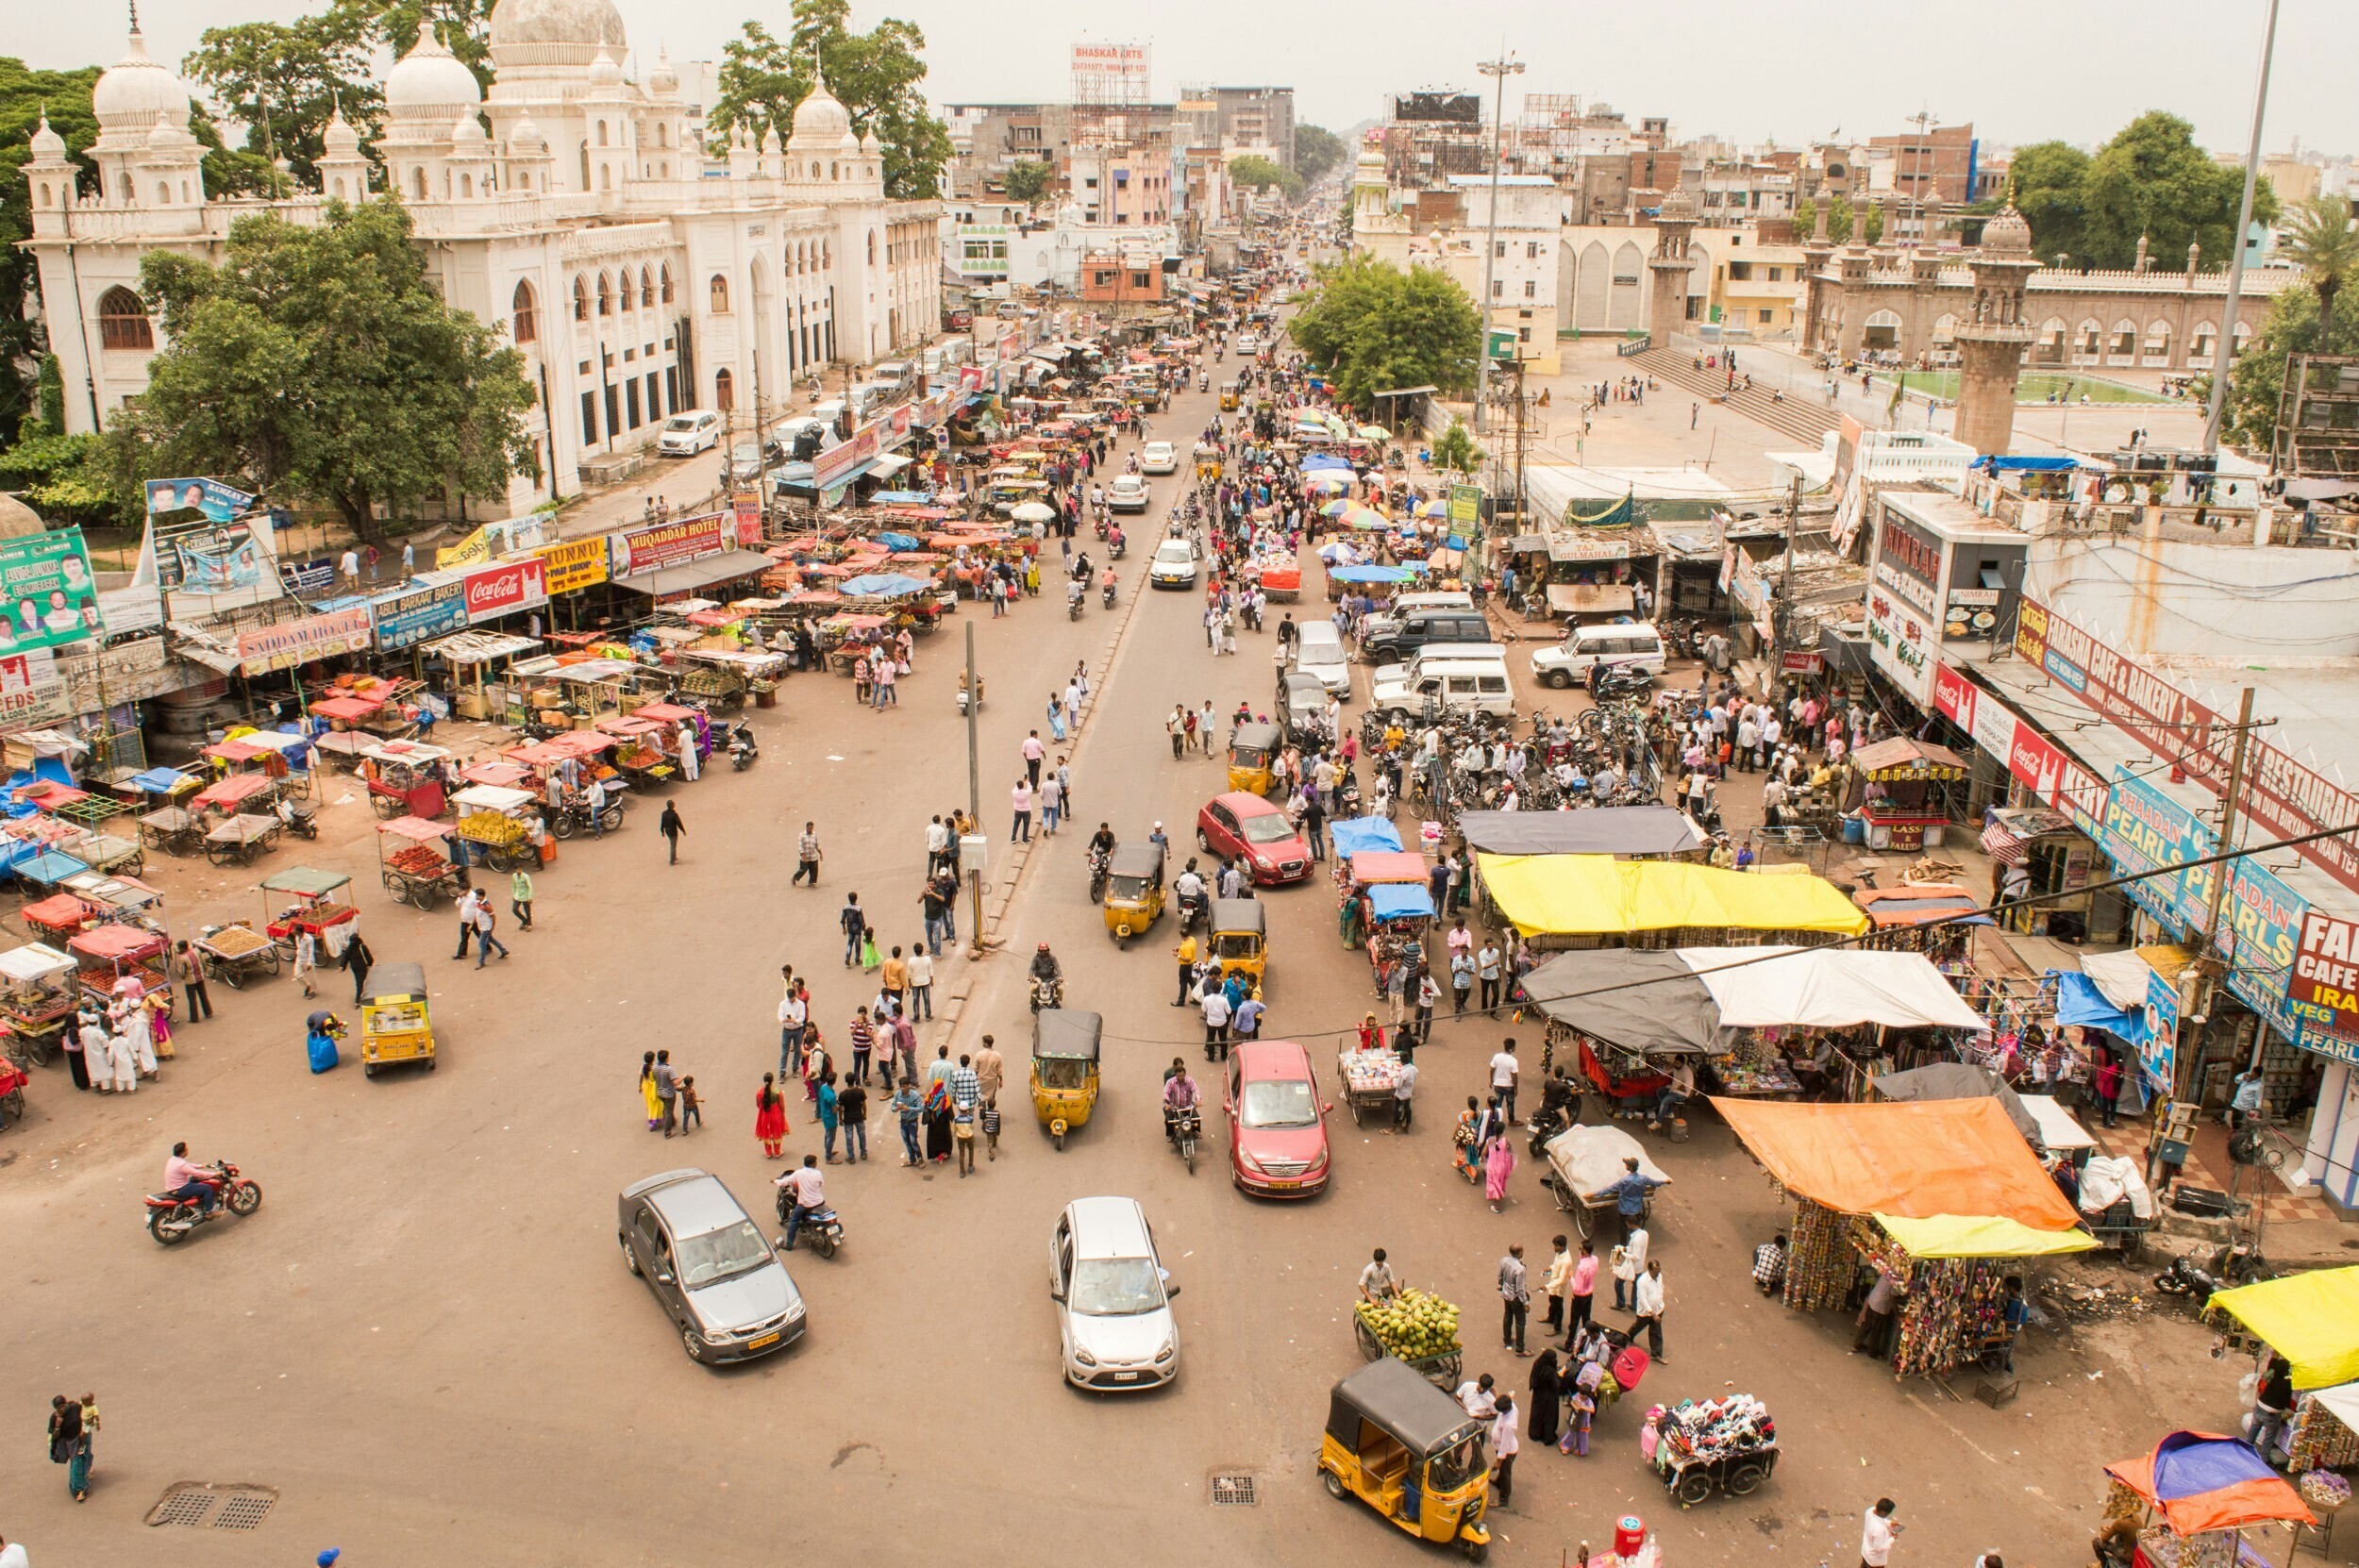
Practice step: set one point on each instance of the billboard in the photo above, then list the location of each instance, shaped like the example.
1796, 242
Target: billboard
263, 649
2144, 829
198, 554
1425, 108
2325, 983
1110, 74
31, 691
674, 543
411, 617
214, 501
47, 594
575, 564
489, 593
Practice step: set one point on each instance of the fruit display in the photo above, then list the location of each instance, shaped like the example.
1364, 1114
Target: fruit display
491, 827
418, 860
1416, 1326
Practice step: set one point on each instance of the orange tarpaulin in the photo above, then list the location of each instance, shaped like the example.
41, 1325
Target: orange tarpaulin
1917, 1158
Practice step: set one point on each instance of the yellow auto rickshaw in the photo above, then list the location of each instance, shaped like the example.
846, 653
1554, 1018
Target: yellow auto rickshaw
1134, 889
1228, 400
1411, 1452
395, 1022
1240, 936
1250, 754
1064, 1068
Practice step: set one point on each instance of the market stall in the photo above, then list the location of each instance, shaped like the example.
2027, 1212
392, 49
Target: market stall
477, 662
499, 827
410, 863
1583, 901
1625, 832
401, 779
117, 959
2191, 1503
1905, 789
2058, 860
36, 999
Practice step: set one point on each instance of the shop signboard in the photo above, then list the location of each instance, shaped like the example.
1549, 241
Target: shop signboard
1899, 644
473, 550
578, 563
746, 515
216, 501
32, 694
1465, 505
2281, 797
834, 466
676, 543
2144, 829
263, 649
1794, 663
433, 610
505, 587
2159, 1036
2324, 988
47, 595
1972, 613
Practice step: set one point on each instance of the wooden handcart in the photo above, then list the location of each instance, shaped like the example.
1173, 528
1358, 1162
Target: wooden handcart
301, 898
36, 999
233, 954
240, 839
411, 869
172, 829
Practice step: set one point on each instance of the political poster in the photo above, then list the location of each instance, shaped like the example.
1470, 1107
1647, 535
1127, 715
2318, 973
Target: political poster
216, 501
48, 597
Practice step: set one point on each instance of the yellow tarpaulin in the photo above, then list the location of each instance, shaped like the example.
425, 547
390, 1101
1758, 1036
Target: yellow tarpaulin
1980, 1236
2310, 1319
1596, 894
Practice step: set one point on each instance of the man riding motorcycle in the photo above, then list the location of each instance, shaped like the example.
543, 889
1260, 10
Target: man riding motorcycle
1180, 1093
1044, 967
1188, 888
184, 1178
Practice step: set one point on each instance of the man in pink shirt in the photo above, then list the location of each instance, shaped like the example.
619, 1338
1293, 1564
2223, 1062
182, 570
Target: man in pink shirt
184, 1178
1585, 1280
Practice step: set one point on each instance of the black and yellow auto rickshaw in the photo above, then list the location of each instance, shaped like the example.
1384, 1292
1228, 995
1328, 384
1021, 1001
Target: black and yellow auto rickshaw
1229, 399
396, 1024
1065, 1069
1249, 756
1240, 936
1411, 1452
1134, 889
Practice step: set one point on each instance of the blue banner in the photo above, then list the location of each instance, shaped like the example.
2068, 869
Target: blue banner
409, 618
2145, 828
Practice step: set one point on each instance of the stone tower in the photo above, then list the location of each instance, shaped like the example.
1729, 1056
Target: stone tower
1816, 252
1992, 338
1667, 309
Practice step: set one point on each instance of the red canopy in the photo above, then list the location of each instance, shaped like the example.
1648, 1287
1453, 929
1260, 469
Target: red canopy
670, 712
1387, 865
503, 775
115, 943
418, 829
237, 751
57, 910
572, 744
51, 796
231, 790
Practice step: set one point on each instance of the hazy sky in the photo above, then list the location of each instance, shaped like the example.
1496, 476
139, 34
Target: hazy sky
1796, 70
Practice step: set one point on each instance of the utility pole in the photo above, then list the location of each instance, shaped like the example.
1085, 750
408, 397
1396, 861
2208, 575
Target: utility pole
2182, 1063
2224, 346
1783, 623
1505, 66
1924, 123
974, 788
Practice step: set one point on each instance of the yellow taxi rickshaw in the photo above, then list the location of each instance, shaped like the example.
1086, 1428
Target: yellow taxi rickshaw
1229, 400
1241, 937
1065, 1069
1250, 754
1411, 1452
395, 1022
1134, 889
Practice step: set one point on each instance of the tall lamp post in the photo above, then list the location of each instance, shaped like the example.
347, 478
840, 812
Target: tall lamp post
1500, 69
2224, 346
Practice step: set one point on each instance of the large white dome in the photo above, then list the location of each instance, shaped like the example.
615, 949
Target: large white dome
554, 32
430, 77
132, 92
819, 120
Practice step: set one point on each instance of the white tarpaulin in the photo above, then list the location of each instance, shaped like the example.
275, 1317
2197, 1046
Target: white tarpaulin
2122, 977
2341, 1402
2058, 1132
1828, 988
1590, 1159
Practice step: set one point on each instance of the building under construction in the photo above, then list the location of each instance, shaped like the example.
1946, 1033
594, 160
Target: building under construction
1434, 134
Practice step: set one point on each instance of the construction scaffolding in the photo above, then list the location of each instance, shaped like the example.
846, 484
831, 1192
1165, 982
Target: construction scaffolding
1547, 136
2317, 434
1110, 92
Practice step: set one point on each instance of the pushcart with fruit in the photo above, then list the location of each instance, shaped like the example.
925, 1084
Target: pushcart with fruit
1418, 1328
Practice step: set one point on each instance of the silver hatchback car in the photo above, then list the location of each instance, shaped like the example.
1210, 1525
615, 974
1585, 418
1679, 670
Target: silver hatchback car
1113, 1301
710, 1265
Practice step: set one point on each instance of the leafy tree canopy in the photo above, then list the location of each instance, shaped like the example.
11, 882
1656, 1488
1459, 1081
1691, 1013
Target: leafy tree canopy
1256, 173
2258, 374
1456, 450
24, 92
319, 362
2150, 181
876, 75
1025, 178
1376, 327
1316, 151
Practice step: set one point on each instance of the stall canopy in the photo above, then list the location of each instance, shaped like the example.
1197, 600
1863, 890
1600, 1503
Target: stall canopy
1397, 900
1828, 988
1960, 1080
2081, 1003
2201, 1482
1922, 1160
1920, 904
1596, 896
687, 578
2310, 1319
1962, 1236
1388, 865
1609, 830
1363, 833
1673, 1015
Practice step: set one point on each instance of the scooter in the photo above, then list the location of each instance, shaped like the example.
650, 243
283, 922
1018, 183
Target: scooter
825, 1230
2228, 1266
1191, 911
1546, 1124
1106, 593
171, 1219
1115, 543
962, 694
1073, 601
744, 750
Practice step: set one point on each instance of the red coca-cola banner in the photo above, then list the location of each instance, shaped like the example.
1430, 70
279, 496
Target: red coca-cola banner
519, 582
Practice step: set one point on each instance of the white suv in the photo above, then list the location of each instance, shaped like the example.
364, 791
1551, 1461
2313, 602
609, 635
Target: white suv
1127, 493
685, 435
1159, 457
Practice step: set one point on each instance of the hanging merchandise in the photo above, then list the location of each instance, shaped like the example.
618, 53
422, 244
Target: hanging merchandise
1819, 1264
1954, 1309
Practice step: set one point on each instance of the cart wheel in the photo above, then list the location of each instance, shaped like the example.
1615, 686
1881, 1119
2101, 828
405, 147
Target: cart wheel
1691, 1488
13, 1102
1370, 1348
1746, 1481
139, 864
1556, 1190
41, 1048
395, 889
274, 960
1583, 1221
1334, 1485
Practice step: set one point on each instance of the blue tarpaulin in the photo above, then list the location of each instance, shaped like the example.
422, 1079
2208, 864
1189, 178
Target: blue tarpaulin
158, 781
1318, 460
49, 867
2080, 1003
883, 585
1393, 900
1371, 573
2024, 465
900, 542
1360, 833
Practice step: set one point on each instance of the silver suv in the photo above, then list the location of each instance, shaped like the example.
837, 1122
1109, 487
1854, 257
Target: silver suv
710, 1265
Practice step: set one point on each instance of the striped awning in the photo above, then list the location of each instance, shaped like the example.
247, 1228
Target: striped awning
2002, 847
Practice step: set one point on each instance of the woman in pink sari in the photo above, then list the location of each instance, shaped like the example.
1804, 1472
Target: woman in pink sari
1498, 1166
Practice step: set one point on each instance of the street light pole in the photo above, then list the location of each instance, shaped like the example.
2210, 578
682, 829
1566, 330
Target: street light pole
1505, 66
2224, 345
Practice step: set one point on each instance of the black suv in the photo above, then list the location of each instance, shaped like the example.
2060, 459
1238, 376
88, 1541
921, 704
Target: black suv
1422, 628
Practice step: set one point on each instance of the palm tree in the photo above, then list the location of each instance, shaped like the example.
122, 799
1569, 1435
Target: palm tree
2319, 240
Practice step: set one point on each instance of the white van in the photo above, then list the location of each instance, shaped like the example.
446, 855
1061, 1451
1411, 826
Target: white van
1613, 643
1319, 653
830, 414
689, 432
1459, 678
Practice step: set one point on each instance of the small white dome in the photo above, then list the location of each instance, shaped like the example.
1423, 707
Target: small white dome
129, 93
47, 144
430, 77
2007, 233
554, 32
337, 135
527, 137
869, 143
606, 69
166, 136
468, 130
819, 119
662, 81
770, 144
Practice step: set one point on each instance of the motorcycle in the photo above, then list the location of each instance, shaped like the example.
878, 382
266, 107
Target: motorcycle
1115, 544
1073, 601
1546, 1124
744, 750
1047, 992
963, 694
2239, 1264
303, 819
170, 1219
1099, 863
1106, 593
575, 817
1191, 911
1182, 1129
825, 1230
1622, 680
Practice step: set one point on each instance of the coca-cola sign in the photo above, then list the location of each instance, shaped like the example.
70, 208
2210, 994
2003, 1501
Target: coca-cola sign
517, 583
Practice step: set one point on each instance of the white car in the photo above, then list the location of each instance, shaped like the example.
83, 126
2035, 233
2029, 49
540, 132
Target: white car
1127, 493
685, 435
1174, 565
1159, 457
1114, 1306
1245, 343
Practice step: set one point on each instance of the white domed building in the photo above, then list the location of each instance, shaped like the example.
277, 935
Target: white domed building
642, 271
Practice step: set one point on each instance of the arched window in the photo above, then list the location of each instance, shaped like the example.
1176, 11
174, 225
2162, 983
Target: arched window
814, 167
466, 185
663, 170
666, 275
606, 296
526, 328
582, 300
163, 192
622, 284
834, 171
1945, 329
340, 189
723, 390
123, 320
647, 288
872, 247
601, 133
606, 176
720, 290
44, 193
662, 134
2125, 338
417, 183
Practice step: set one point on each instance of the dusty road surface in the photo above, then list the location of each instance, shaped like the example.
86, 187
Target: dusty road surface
427, 1346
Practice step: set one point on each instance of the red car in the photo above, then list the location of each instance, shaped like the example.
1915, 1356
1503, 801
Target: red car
1276, 1122
1249, 830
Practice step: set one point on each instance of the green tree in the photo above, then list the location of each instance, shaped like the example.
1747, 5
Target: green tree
876, 75
1871, 226
2152, 181
1456, 450
2045, 182
319, 362
24, 93
1256, 173
283, 81
1838, 220
1025, 178
1375, 327
2258, 374
2319, 240
1317, 150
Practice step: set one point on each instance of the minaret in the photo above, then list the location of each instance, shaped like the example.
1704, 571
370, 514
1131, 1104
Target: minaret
1816, 252
1991, 341
344, 172
49, 178
1667, 310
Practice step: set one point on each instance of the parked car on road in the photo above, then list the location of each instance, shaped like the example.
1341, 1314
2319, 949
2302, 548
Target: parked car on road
710, 1266
684, 435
